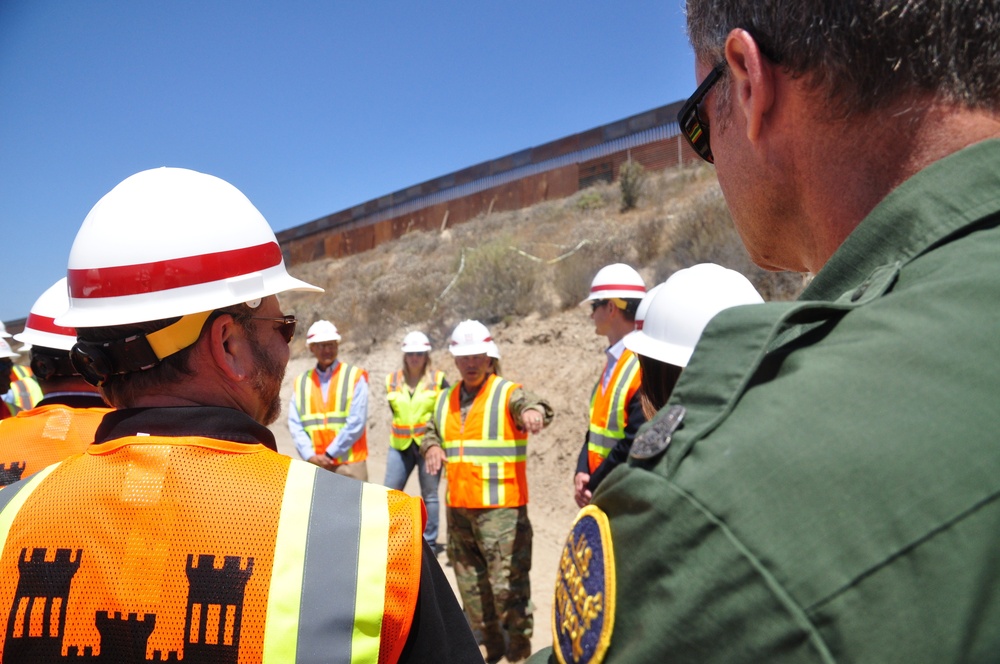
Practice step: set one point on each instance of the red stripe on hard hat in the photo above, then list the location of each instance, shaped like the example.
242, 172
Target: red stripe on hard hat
45, 324
604, 287
172, 273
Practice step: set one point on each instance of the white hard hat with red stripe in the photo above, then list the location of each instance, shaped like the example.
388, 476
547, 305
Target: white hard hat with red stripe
681, 309
472, 338
616, 281
170, 242
416, 342
40, 329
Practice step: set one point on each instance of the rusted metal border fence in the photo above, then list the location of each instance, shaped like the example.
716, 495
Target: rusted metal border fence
549, 171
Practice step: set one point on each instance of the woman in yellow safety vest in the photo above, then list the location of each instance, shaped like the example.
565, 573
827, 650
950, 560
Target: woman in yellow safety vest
411, 393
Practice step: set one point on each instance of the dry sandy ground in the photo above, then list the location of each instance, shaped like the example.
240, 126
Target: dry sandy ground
559, 358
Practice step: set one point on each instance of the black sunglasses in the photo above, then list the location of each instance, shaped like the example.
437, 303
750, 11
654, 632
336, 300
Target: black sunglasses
287, 328
693, 126
597, 304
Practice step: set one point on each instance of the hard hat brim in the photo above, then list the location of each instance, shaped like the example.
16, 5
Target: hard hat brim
641, 343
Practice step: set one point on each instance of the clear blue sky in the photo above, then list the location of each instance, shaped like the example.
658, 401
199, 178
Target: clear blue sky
307, 107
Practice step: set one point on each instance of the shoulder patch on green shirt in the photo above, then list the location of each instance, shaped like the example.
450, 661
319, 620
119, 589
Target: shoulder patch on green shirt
583, 613
653, 441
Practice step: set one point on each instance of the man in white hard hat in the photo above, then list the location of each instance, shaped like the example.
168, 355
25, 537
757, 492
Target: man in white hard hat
479, 431
64, 421
615, 405
328, 415
181, 531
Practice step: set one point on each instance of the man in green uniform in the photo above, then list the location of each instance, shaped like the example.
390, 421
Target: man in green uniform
823, 484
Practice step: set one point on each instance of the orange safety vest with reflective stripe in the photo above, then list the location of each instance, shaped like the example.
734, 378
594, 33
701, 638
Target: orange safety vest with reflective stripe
487, 453
36, 438
25, 388
609, 408
322, 421
204, 550
410, 412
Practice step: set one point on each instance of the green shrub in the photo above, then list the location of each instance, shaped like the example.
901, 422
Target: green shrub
631, 178
589, 199
495, 282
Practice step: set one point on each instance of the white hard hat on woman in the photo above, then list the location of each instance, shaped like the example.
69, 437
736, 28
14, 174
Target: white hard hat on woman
682, 307
416, 342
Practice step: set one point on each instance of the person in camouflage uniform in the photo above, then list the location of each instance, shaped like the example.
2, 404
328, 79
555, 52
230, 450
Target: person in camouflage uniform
480, 428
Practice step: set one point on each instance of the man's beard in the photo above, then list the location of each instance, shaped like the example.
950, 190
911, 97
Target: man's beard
266, 381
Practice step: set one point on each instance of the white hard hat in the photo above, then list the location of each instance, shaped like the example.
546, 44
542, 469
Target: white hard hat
472, 338
640, 313
416, 342
681, 309
616, 281
171, 242
4, 334
322, 331
6, 351
40, 328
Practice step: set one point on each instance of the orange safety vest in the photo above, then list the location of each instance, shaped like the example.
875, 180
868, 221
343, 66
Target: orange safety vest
487, 453
44, 435
150, 548
410, 412
609, 408
322, 421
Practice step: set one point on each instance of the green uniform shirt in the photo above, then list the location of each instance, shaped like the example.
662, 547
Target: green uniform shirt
831, 494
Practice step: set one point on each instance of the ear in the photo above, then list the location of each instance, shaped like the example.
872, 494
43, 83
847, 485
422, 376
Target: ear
752, 80
230, 348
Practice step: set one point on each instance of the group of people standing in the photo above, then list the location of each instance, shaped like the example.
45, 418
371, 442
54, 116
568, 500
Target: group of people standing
476, 429
819, 483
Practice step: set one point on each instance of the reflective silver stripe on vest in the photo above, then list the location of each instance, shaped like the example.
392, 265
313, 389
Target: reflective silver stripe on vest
619, 390
326, 615
9, 492
493, 473
505, 451
494, 424
443, 400
602, 441
317, 420
344, 384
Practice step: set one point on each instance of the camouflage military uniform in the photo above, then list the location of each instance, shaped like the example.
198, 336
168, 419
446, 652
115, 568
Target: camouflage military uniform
490, 550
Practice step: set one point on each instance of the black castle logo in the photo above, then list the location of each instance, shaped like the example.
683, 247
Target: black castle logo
35, 633
12, 474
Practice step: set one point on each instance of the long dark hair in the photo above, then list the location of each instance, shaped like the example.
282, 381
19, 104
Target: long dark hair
658, 381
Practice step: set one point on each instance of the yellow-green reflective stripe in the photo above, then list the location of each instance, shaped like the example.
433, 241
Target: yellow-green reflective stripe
19, 492
285, 593
370, 605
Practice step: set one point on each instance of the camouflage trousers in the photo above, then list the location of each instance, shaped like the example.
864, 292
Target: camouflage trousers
490, 550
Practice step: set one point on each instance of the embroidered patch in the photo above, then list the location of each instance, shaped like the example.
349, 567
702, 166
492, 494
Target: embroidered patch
654, 439
583, 613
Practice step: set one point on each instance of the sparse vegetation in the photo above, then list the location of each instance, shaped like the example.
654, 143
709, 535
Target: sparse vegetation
537, 260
